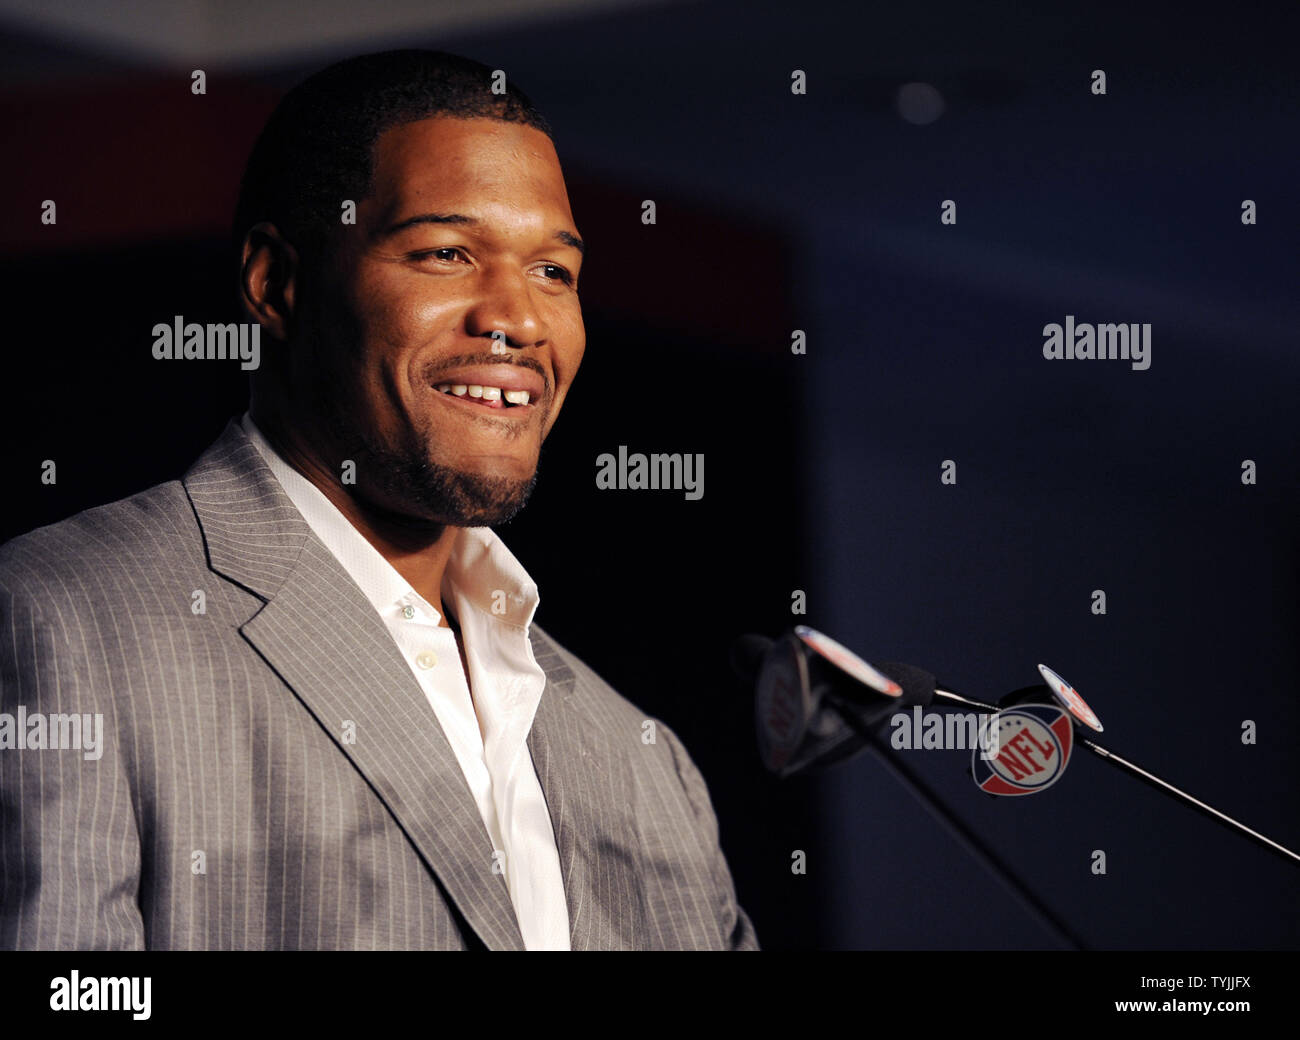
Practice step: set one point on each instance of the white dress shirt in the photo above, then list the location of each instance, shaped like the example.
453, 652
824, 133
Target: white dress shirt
493, 599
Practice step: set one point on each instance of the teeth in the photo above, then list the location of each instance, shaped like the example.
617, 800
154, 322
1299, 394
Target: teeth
486, 393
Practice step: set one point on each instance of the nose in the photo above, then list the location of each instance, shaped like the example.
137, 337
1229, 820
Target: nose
506, 311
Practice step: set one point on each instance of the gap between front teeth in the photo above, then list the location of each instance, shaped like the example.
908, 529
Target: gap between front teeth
487, 393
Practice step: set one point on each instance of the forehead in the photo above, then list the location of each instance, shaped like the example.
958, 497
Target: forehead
467, 163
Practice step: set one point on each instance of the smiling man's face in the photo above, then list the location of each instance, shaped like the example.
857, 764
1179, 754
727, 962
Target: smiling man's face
466, 232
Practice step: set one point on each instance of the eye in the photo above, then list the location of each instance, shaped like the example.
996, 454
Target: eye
447, 253
556, 273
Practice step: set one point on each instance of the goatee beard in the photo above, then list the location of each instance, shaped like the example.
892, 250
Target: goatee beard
420, 492
442, 494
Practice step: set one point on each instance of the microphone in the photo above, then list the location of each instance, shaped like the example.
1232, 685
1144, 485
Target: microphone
814, 698
1057, 692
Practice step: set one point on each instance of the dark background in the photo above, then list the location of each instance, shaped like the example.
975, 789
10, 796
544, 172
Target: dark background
816, 212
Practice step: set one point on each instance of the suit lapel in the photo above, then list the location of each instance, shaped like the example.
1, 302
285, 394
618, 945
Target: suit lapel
323, 638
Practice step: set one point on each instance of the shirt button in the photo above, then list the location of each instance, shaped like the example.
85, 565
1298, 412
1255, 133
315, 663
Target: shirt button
408, 612
426, 659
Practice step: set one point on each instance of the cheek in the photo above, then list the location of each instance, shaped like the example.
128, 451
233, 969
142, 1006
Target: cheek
395, 323
570, 346
386, 308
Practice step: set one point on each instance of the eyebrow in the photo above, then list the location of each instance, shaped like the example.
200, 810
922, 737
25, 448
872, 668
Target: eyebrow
567, 237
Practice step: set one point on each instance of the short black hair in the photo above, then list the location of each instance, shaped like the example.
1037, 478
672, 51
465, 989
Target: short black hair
317, 147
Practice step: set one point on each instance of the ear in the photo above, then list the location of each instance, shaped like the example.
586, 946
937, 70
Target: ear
268, 273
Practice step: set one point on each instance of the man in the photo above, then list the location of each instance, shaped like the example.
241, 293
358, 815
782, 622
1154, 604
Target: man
329, 719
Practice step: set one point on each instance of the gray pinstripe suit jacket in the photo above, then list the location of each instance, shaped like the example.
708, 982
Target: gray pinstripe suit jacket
224, 749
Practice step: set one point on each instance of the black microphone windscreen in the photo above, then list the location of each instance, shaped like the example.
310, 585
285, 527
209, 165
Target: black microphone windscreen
918, 684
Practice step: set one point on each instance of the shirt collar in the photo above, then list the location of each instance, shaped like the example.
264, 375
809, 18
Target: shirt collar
481, 575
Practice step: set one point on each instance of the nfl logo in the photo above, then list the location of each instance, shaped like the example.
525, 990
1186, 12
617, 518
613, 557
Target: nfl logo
1023, 750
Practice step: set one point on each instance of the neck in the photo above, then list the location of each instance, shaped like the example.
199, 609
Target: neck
417, 551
